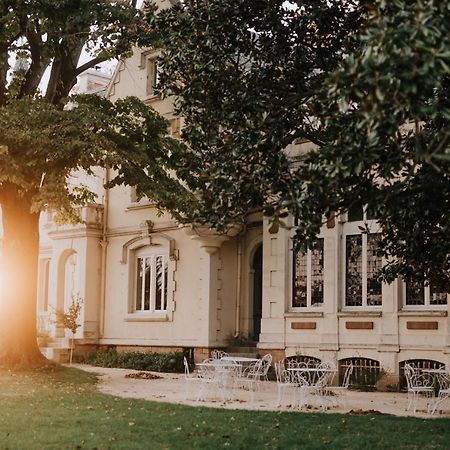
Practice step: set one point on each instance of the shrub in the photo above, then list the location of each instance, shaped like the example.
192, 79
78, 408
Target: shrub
157, 362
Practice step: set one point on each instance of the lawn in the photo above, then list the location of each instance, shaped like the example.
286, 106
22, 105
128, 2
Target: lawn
61, 409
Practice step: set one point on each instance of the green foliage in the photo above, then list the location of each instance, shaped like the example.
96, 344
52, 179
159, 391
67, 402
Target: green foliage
367, 84
44, 138
245, 74
157, 362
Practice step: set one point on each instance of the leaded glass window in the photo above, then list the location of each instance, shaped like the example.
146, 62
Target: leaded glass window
361, 262
374, 264
353, 270
420, 295
308, 277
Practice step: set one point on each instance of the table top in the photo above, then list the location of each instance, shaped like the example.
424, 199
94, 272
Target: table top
434, 370
217, 363
239, 359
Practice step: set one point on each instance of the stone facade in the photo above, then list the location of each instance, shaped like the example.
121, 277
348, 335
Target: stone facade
221, 289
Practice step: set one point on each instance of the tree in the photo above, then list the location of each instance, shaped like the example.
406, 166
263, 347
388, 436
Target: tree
41, 142
365, 82
244, 75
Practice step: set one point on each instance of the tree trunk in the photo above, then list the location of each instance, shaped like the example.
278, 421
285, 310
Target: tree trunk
18, 292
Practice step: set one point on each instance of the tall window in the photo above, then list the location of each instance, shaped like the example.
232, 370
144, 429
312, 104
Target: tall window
362, 288
418, 295
308, 277
151, 283
152, 75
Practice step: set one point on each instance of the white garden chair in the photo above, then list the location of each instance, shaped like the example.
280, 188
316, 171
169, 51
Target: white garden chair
417, 384
253, 374
444, 391
189, 380
342, 389
320, 378
285, 382
210, 380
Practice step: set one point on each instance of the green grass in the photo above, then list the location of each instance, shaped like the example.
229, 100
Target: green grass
61, 409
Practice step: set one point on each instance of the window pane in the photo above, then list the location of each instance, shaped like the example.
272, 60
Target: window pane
374, 263
166, 272
147, 281
159, 283
300, 281
139, 281
414, 293
317, 273
353, 270
437, 297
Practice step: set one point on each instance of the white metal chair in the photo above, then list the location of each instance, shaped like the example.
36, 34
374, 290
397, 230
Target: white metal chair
253, 374
189, 379
210, 379
417, 384
317, 384
444, 391
285, 382
343, 388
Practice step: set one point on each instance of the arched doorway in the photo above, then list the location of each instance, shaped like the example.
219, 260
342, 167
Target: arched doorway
257, 293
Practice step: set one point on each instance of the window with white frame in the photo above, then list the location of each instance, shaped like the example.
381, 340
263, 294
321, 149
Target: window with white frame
418, 295
361, 262
151, 282
308, 277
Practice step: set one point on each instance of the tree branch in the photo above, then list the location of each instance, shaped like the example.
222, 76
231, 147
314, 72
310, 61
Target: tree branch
92, 63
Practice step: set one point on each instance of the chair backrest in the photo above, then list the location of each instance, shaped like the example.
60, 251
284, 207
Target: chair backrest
266, 362
186, 367
218, 354
444, 381
283, 375
347, 374
416, 379
409, 372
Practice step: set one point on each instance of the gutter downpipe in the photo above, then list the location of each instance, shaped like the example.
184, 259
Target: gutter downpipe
104, 245
238, 289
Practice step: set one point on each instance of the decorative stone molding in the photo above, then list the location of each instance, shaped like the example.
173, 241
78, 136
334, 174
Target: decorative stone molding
209, 239
148, 239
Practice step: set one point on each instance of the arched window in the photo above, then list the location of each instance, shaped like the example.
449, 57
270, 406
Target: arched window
366, 371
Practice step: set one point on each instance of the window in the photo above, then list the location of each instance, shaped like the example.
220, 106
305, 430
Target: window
152, 75
175, 128
362, 288
308, 277
418, 295
151, 283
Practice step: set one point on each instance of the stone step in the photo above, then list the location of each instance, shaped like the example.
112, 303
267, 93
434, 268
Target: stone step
246, 349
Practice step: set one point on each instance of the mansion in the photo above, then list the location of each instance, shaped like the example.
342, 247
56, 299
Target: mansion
148, 283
